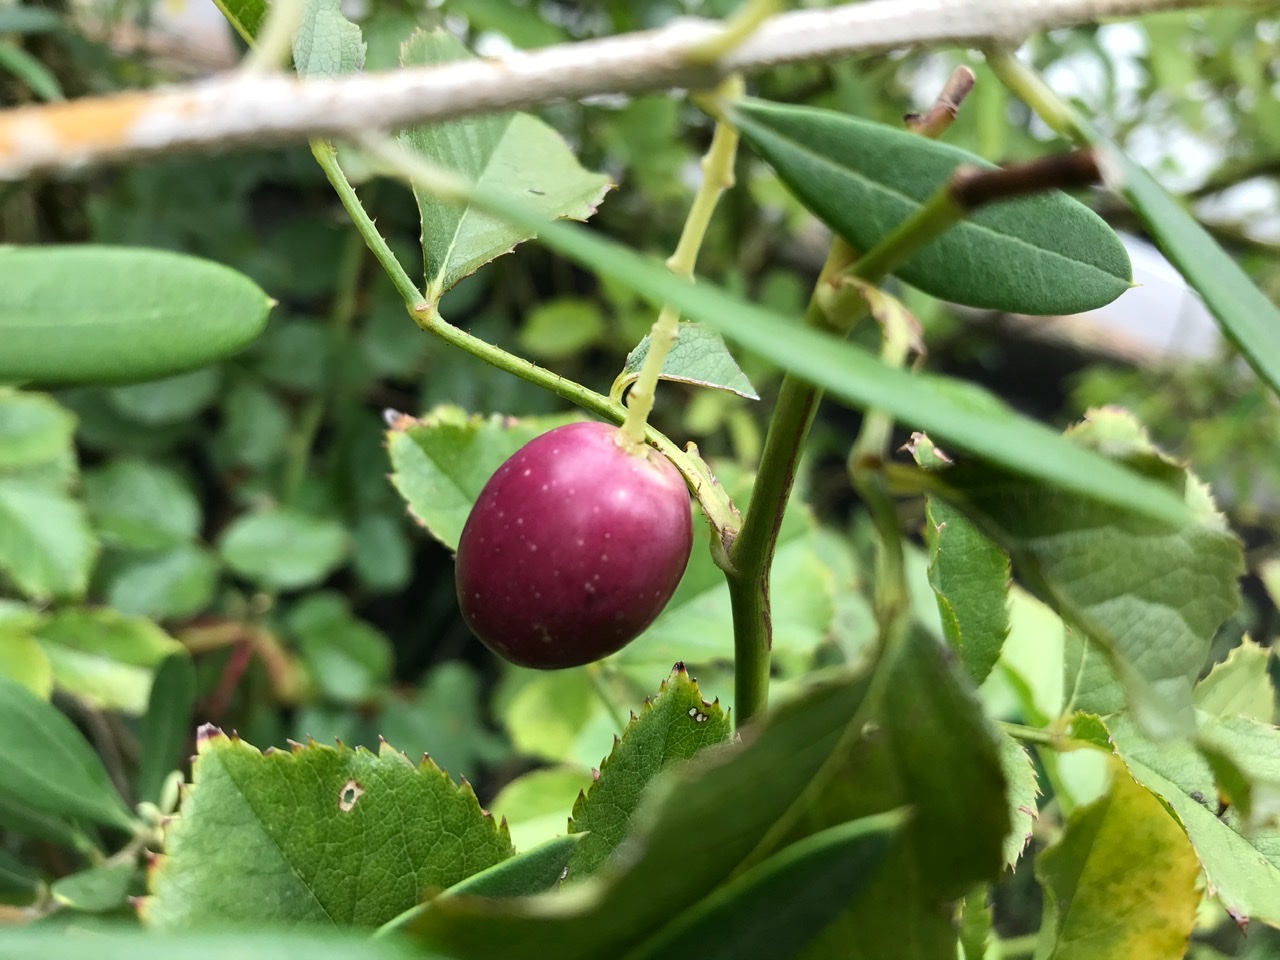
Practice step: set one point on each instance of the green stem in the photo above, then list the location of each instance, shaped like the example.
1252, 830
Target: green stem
327, 156
717, 177
1031, 88
793, 415
341, 314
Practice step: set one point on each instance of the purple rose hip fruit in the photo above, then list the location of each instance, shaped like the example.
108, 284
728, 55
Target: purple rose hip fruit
573, 548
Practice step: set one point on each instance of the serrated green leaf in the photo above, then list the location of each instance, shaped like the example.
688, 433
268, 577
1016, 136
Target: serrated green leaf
512, 152
166, 723
672, 727
775, 909
153, 313
536, 805
348, 657
314, 835
699, 357
1240, 684
444, 719
34, 429
284, 548
1120, 883
178, 583
47, 764
46, 546
44, 943
925, 743
970, 577
1242, 867
1023, 790
1043, 254
1245, 315
955, 412
141, 505
441, 462
327, 43
1154, 603
105, 659
96, 890
693, 816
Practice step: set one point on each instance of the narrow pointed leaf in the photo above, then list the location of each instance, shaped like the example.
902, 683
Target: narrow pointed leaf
152, 313
970, 576
954, 412
1043, 254
512, 152
673, 726
53, 943
1024, 789
46, 763
699, 357
1246, 316
775, 909
1121, 882
314, 835
166, 724
925, 744
96, 890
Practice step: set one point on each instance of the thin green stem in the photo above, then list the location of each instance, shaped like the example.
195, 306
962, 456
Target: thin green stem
341, 314
595, 676
327, 156
717, 177
1031, 88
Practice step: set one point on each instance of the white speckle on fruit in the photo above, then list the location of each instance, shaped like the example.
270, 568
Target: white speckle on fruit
519, 521
608, 536
589, 587
527, 471
555, 449
580, 542
604, 558
533, 548
544, 487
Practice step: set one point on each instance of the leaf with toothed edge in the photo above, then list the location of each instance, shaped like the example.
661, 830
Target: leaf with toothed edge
673, 726
314, 834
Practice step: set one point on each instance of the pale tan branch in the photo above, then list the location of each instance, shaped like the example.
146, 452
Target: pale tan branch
237, 110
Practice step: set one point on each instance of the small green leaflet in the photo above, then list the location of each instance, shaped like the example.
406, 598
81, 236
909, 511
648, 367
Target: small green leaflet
1042, 254
699, 357
512, 152
327, 44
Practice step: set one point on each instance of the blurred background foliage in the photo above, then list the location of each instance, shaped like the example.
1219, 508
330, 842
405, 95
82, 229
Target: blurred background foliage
244, 510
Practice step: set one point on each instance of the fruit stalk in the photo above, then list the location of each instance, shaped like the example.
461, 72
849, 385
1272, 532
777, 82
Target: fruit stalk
717, 177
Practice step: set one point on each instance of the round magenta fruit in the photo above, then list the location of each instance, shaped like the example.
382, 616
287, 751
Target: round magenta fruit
573, 548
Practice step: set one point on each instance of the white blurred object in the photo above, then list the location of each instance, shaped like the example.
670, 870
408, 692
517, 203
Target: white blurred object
185, 37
